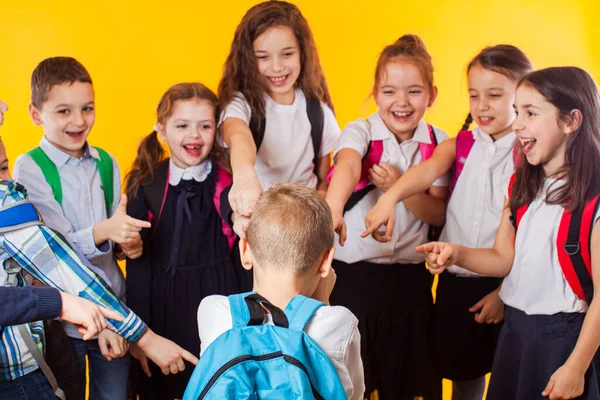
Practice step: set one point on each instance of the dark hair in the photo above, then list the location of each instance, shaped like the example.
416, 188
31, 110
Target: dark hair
567, 89
55, 71
240, 72
410, 48
504, 59
150, 151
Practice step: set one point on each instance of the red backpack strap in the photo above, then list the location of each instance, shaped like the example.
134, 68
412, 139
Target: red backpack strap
464, 143
427, 149
515, 215
372, 157
573, 248
224, 180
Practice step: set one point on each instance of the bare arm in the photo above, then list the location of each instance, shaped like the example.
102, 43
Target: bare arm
415, 181
323, 165
345, 178
246, 187
429, 207
496, 261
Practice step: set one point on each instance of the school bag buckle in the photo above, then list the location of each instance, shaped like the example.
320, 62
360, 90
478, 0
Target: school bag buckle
571, 248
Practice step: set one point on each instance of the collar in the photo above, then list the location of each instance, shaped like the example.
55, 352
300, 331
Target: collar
379, 131
60, 158
507, 141
199, 172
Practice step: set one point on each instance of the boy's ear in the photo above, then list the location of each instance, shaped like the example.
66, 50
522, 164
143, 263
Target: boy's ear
34, 113
432, 96
245, 254
326, 261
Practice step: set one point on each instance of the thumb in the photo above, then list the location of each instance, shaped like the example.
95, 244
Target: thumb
123, 203
549, 387
478, 306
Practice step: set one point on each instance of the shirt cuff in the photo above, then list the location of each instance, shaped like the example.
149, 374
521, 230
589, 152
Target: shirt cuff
84, 241
48, 304
132, 328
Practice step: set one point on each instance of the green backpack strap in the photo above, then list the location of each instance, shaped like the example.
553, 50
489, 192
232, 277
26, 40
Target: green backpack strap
105, 168
49, 170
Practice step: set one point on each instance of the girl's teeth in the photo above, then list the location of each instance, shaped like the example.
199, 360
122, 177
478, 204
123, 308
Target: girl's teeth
402, 114
528, 143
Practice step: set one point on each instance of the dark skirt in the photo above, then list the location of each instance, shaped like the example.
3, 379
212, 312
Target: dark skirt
393, 304
464, 348
530, 349
174, 308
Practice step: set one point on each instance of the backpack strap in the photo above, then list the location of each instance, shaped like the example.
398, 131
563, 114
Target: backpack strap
107, 177
464, 143
49, 170
316, 119
224, 180
516, 215
573, 249
300, 310
39, 358
427, 149
249, 309
18, 215
155, 192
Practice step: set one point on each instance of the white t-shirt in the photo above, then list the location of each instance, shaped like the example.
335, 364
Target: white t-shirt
333, 328
286, 153
536, 283
476, 204
409, 231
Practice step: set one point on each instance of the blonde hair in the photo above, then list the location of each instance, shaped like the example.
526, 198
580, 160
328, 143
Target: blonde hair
291, 225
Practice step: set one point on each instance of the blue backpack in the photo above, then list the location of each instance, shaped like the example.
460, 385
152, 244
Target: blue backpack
254, 360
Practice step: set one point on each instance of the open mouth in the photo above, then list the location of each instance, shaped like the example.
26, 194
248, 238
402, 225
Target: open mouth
402, 116
483, 121
527, 144
192, 149
75, 134
278, 80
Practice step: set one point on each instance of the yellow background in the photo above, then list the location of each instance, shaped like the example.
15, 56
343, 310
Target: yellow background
136, 49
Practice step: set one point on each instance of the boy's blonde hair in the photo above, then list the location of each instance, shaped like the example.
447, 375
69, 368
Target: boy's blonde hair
55, 71
290, 225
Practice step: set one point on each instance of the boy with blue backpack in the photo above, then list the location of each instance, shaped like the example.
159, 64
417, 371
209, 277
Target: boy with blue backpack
283, 340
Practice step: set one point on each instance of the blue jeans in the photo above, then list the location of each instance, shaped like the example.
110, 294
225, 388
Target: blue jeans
32, 386
108, 379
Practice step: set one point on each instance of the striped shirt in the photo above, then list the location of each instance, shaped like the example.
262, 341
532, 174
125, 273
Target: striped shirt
39, 251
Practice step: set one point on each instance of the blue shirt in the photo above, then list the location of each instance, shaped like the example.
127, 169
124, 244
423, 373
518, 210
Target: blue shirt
83, 206
44, 254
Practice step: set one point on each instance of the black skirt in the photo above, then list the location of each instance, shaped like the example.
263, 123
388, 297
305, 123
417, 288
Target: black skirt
464, 348
530, 349
393, 304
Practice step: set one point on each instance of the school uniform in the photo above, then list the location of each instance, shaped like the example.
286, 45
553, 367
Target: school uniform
386, 285
464, 348
543, 316
186, 258
286, 154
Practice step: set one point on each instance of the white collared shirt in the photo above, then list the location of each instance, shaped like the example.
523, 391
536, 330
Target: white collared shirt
536, 283
476, 204
199, 172
286, 153
409, 231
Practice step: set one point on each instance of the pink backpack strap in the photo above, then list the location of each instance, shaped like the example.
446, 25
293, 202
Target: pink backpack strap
464, 144
373, 156
427, 149
224, 179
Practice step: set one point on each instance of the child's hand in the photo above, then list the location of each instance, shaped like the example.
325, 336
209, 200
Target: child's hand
325, 287
120, 228
166, 354
112, 345
383, 175
87, 316
339, 225
139, 354
565, 383
384, 213
135, 248
439, 255
490, 309
245, 191
3, 109
240, 224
